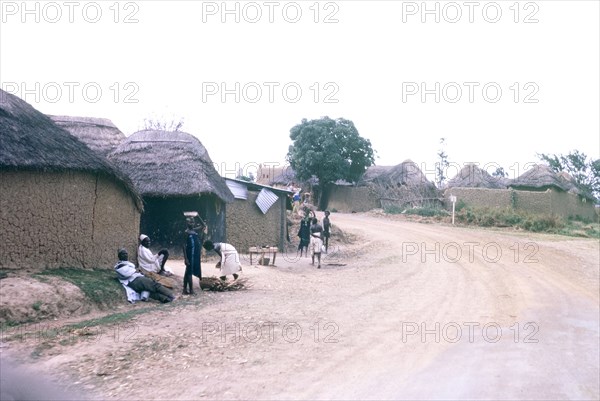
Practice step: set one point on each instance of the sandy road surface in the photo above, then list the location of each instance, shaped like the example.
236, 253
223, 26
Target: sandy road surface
418, 311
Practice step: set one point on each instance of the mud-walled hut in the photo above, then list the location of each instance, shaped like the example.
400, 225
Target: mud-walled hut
472, 176
61, 204
174, 173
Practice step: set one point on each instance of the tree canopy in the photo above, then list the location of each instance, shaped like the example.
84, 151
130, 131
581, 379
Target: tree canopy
329, 150
585, 172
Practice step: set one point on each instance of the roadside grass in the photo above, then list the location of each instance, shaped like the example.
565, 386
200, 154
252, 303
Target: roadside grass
426, 211
507, 217
100, 286
539, 223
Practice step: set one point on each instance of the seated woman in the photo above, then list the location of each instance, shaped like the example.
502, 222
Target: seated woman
230, 259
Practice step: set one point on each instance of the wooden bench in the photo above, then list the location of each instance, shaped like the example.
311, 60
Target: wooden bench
269, 250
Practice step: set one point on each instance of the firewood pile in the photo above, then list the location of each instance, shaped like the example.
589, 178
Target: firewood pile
216, 284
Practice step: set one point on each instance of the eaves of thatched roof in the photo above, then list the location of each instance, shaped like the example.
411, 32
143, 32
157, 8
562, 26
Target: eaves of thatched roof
471, 176
166, 164
539, 176
30, 141
99, 134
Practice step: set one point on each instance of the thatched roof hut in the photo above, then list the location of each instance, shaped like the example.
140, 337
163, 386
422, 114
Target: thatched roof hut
539, 178
174, 173
406, 173
384, 186
99, 134
471, 176
166, 164
61, 204
374, 172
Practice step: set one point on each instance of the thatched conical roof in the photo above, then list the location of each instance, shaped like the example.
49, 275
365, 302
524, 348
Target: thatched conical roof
30, 141
99, 134
373, 172
471, 176
406, 173
539, 176
168, 164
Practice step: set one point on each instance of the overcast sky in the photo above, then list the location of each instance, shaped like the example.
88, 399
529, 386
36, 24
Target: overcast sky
501, 81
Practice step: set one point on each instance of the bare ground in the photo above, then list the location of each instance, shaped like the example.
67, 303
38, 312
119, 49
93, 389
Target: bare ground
410, 311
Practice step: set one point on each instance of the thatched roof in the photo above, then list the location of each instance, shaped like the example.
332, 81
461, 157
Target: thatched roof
283, 176
31, 141
168, 164
99, 134
471, 176
540, 176
406, 173
374, 172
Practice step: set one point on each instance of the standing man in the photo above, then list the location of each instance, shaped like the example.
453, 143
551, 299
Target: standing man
192, 252
326, 229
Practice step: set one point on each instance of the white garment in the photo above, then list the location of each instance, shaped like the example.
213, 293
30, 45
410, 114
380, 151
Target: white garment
230, 259
127, 273
149, 261
315, 243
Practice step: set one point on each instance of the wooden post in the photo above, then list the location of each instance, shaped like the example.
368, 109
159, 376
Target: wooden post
453, 200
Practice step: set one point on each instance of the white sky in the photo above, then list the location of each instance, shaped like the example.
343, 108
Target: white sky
172, 53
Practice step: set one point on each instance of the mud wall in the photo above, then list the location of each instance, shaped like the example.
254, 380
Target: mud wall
349, 199
247, 226
550, 201
68, 219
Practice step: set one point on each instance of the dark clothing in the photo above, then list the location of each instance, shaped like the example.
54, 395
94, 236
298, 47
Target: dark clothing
165, 258
304, 233
193, 251
326, 227
156, 290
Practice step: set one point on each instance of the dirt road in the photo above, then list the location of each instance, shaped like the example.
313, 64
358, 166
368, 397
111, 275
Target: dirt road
417, 311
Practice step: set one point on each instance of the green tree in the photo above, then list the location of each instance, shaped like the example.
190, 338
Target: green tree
329, 150
585, 171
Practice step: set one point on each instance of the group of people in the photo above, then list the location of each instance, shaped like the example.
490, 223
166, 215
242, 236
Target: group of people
153, 278
314, 236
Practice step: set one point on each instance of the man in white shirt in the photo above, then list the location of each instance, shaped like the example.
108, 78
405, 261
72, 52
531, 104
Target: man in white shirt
150, 262
130, 277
